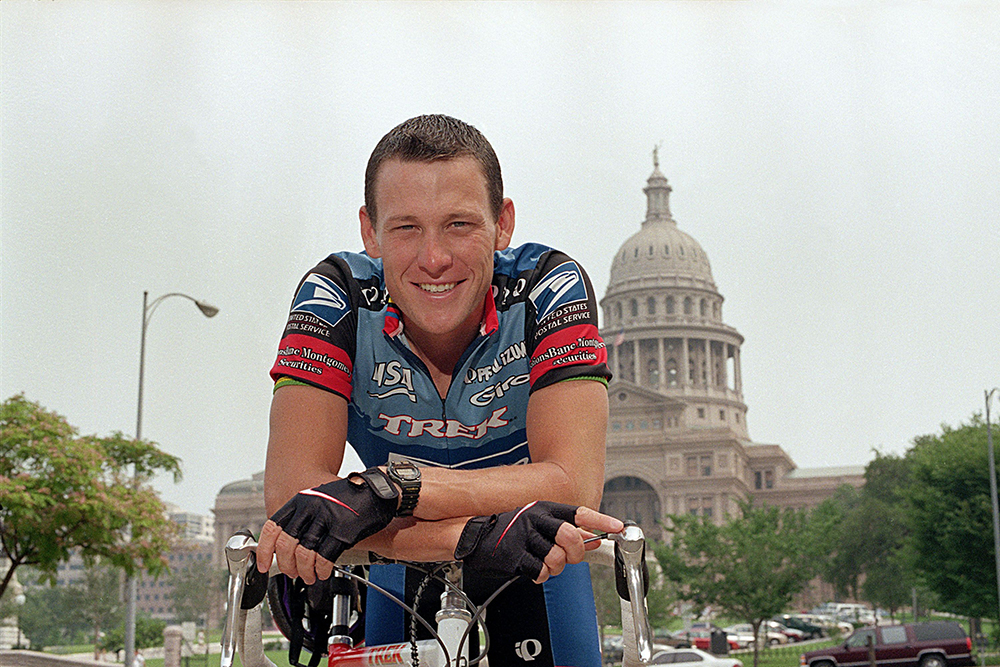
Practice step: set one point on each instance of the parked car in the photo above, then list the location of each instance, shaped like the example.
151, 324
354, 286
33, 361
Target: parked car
702, 638
742, 633
692, 656
612, 649
810, 630
768, 636
792, 634
663, 639
934, 644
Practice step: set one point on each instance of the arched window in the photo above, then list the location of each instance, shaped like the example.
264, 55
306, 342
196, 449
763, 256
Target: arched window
666, 250
672, 372
634, 308
653, 373
650, 251
715, 310
651, 306
670, 305
704, 308
618, 310
688, 305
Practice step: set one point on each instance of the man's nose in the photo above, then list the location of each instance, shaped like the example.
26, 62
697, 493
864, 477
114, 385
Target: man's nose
435, 253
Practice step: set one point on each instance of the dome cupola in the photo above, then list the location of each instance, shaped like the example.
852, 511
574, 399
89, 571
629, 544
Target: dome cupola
659, 253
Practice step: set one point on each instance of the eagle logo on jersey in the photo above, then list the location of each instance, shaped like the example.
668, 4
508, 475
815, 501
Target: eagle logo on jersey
321, 297
563, 285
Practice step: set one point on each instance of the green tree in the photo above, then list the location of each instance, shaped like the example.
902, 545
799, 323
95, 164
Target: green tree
196, 588
950, 517
751, 565
834, 529
61, 491
44, 621
97, 600
148, 633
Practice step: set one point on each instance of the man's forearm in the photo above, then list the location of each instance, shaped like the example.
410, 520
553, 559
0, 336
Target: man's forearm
448, 493
411, 539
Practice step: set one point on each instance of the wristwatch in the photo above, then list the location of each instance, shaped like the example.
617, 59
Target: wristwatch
407, 475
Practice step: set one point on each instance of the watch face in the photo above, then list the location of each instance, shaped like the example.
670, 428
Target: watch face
406, 471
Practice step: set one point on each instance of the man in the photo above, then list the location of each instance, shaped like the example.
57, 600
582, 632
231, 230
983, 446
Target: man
444, 347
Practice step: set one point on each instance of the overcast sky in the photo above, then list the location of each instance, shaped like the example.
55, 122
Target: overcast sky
838, 162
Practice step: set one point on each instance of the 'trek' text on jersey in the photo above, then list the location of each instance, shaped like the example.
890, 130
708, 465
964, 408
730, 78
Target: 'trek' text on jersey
343, 335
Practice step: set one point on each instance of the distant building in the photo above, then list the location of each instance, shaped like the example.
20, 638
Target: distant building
677, 433
239, 506
194, 527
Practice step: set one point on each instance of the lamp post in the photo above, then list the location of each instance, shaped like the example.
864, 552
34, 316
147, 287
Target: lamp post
131, 583
993, 488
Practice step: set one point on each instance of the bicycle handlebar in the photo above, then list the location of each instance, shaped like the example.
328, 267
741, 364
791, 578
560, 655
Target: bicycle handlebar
629, 551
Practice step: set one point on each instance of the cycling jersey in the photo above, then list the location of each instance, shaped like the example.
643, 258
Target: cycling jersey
345, 335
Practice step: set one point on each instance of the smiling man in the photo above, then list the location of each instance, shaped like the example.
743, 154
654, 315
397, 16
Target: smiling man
445, 357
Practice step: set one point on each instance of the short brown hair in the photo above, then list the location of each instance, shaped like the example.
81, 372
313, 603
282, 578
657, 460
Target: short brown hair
435, 137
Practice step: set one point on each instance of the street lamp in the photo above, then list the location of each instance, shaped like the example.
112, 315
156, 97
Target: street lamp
147, 314
993, 488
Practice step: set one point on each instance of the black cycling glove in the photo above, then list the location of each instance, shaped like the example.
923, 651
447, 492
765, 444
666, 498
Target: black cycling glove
513, 543
337, 515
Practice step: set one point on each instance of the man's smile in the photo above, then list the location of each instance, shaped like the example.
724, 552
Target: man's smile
437, 288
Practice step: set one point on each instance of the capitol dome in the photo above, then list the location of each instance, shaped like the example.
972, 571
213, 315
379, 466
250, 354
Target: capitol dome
660, 254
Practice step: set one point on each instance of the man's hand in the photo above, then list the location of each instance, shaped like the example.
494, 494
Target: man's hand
537, 540
313, 528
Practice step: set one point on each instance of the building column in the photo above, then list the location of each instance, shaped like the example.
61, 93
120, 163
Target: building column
685, 363
616, 368
737, 372
635, 362
663, 368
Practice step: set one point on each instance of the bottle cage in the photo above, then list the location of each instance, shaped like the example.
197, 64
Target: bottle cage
302, 614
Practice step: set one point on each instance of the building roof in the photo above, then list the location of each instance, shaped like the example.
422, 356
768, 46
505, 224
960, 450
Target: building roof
659, 249
832, 471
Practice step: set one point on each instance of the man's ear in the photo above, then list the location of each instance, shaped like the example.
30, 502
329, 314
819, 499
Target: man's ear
368, 234
505, 225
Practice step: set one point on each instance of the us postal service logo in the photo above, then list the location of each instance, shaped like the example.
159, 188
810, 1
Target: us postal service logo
323, 298
561, 286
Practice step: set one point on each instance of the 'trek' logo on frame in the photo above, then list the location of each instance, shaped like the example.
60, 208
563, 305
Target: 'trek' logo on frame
443, 428
323, 298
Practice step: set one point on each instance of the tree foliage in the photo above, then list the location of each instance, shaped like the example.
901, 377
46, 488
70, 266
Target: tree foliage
862, 535
197, 587
659, 599
950, 517
97, 600
148, 633
60, 491
750, 566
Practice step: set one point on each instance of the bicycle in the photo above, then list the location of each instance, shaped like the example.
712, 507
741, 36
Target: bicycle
456, 619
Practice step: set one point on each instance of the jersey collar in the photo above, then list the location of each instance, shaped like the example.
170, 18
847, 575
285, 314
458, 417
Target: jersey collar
393, 325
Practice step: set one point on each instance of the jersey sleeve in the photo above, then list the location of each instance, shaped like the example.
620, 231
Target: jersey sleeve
561, 324
320, 336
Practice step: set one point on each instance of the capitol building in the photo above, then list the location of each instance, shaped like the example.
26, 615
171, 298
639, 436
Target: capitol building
677, 431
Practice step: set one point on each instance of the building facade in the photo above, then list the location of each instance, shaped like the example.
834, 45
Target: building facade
678, 441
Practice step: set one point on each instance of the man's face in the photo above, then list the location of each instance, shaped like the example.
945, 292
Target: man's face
436, 235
